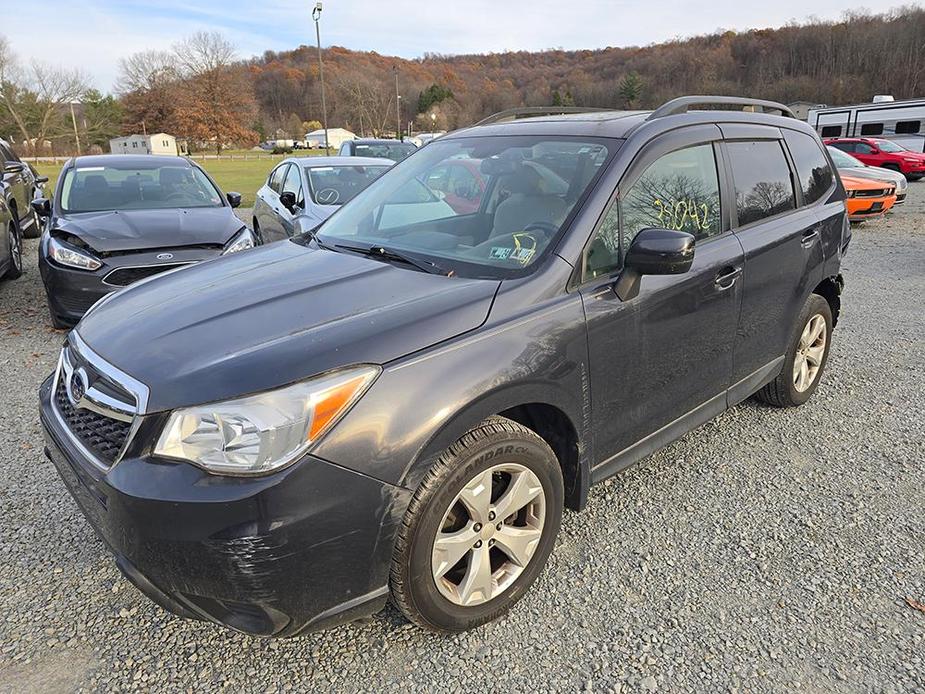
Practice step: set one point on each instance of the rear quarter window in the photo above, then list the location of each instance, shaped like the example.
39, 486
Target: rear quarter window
763, 185
813, 168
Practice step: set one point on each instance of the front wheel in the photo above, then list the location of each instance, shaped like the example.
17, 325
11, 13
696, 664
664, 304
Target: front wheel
479, 529
806, 357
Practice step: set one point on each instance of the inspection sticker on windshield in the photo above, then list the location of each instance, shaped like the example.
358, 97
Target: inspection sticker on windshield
523, 255
499, 253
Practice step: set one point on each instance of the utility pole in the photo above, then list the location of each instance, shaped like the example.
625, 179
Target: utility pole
74, 123
316, 15
398, 132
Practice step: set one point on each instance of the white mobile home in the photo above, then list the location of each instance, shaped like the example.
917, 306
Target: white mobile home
338, 137
902, 122
158, 143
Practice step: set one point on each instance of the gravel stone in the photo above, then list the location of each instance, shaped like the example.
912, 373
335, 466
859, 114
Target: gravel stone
770, 550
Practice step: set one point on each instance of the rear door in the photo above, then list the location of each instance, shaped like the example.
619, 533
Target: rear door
668, 352
16, 180
780, 221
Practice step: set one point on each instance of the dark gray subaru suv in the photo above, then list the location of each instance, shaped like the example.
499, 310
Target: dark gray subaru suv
402, 402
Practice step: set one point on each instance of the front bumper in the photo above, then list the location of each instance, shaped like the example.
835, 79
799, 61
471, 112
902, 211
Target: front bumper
860, 209
72, 292
302, 549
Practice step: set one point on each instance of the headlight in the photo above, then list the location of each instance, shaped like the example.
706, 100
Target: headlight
261, 433
241, 242
69, 256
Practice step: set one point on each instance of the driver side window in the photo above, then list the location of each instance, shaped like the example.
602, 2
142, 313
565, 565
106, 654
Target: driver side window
678, 191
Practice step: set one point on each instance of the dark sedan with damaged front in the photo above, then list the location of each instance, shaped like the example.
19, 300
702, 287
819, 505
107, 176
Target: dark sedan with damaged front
119, 219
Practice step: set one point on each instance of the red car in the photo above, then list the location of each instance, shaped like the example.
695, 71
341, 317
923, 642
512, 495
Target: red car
883, 153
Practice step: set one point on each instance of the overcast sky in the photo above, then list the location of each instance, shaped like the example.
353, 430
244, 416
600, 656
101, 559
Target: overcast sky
94, 34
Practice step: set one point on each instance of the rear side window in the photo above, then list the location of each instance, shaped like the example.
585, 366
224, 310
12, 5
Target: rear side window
861, 148
831, 131
908, 127
812, 166
762, 180
872, 129
679, 190
276, 178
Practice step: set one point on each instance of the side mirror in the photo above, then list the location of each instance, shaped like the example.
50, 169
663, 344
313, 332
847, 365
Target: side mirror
288, 200
41, 180
234, 199
42, 207
654, 252
13, 167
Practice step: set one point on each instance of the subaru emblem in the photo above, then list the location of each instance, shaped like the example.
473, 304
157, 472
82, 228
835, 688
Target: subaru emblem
77, 388
164, 256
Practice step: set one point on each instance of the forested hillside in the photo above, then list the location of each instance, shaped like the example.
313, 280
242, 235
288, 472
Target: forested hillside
828, 62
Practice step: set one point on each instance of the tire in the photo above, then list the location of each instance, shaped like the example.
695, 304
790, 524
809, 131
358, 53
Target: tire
514, 455
891, 167
14, 270
789, 390
914, 177
35, 230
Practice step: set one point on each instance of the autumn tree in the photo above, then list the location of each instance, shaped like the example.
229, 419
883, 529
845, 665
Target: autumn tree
148, 82
36, 99
216, 103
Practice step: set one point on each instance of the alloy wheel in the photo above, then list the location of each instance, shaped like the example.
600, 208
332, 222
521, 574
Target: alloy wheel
808, 358
489, 534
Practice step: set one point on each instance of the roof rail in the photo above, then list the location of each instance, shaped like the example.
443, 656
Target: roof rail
684, 103
530, 111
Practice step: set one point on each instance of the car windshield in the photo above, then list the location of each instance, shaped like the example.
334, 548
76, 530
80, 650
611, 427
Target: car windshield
385, 150
335, 185
479, 206
115, 187
843, 160
887, 146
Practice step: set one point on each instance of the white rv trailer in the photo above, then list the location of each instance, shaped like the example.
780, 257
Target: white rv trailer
902, 122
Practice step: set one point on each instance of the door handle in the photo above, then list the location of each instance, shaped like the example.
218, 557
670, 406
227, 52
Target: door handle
809, 238
726, 278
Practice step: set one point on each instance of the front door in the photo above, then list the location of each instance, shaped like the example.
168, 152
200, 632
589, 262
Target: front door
666, 354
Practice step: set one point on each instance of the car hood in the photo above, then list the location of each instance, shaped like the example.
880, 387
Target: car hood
131, 230
270, 316
875, 174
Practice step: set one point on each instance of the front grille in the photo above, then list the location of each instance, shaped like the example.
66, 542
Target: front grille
877, 193
124, 276
107, 402
102, 435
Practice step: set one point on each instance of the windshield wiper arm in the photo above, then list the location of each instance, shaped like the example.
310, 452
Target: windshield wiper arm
388, 254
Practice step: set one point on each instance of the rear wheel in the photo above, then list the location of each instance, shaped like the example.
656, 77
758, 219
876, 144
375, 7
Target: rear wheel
806, 358
891, 167
14, 238
479, 529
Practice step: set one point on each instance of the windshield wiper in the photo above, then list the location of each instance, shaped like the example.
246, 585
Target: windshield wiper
396, 256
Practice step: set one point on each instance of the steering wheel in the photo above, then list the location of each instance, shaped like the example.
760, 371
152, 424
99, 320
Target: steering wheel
327, 196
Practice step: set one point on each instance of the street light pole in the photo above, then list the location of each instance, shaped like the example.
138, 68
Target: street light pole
397, 106
76, 135
316, 15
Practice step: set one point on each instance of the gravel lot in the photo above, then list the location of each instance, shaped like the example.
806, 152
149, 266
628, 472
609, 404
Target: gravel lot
767, 551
